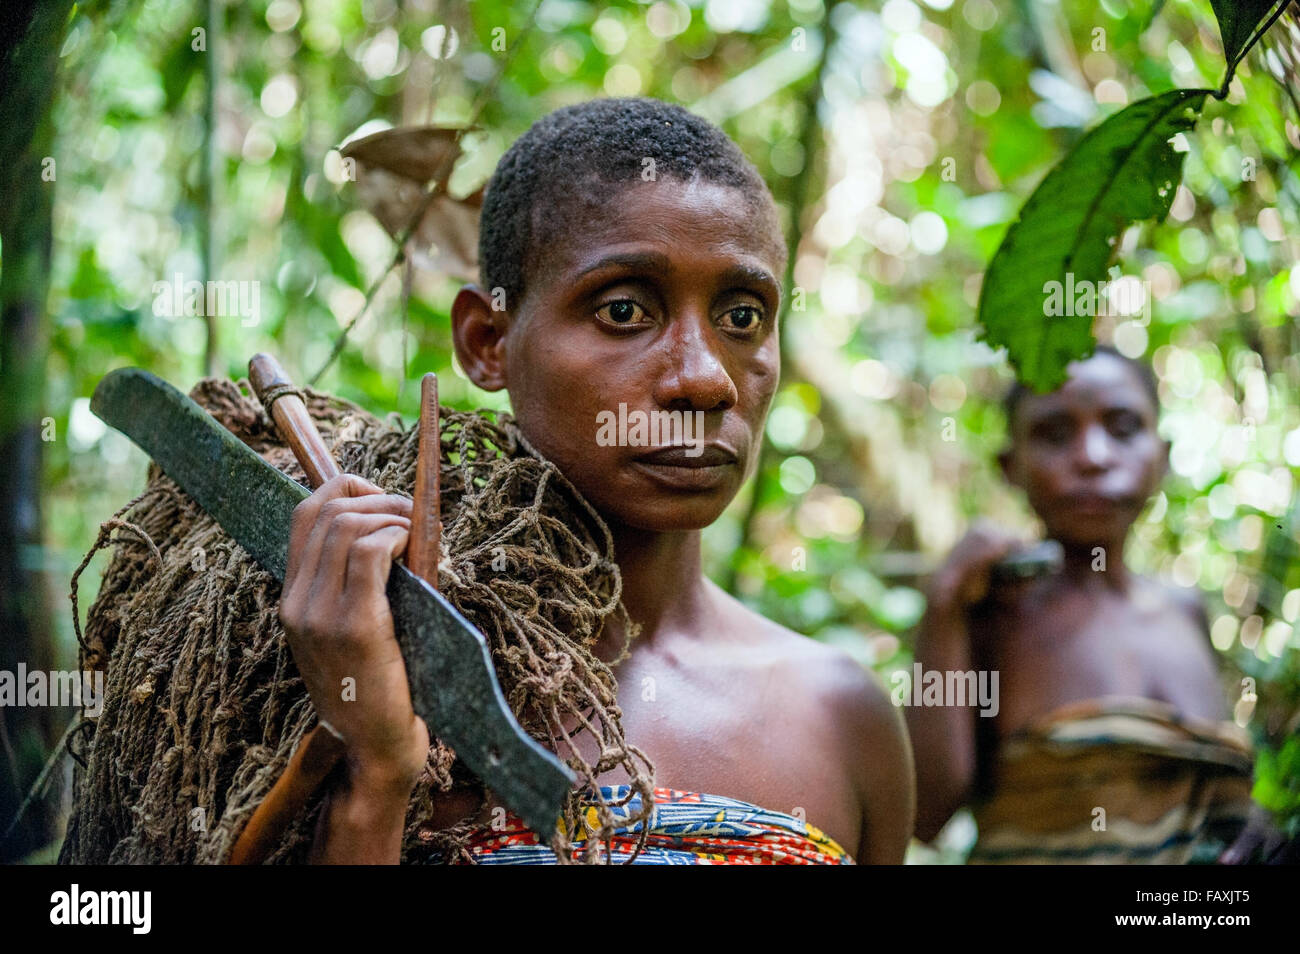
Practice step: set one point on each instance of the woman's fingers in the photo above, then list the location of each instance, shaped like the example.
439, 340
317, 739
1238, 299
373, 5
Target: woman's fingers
337, 505
337, 540
301, 559
370, 558
979, 575
311, 518
966, 575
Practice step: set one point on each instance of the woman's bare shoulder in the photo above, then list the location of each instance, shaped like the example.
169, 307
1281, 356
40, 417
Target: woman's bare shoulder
842, 697
827, 671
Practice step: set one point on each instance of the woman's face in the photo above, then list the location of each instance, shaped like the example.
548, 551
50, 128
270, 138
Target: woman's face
644, 355
1088, 455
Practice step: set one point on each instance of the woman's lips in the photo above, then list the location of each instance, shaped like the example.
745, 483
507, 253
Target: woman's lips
1095, 503
686, 467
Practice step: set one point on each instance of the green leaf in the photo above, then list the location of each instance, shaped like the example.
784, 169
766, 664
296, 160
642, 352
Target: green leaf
1241, 22
1124, 171
178, 68
1150, 15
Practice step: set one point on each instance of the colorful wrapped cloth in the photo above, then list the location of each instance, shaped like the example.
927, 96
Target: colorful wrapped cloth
1174, 790
686, 828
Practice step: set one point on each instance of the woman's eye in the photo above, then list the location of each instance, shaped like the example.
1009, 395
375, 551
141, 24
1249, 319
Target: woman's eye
622, 312
1055, 433
1125, 425
745, 317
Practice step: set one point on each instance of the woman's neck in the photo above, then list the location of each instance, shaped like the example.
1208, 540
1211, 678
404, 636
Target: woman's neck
1097, 565
663, 585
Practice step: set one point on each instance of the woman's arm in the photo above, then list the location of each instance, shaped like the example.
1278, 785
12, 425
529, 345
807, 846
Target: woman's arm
889, 787
943, 737
342, 543
362, 821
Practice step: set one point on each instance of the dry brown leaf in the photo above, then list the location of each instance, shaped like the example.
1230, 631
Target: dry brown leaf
419, 153
393, 169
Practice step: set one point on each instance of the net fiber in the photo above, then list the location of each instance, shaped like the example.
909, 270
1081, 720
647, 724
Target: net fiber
203, 704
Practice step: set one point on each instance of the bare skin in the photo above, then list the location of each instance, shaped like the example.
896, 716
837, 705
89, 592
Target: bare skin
1088, 458
667, 301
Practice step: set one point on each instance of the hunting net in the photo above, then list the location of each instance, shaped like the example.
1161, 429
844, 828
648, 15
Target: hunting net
203, 705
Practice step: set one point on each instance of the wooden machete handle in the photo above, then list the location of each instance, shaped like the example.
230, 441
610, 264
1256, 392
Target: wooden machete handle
285, 405
311, 763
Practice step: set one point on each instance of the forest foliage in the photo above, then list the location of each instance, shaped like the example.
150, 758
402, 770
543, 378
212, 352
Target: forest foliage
901, 141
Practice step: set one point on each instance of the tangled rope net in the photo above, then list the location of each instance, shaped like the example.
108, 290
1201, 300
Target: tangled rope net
203, 705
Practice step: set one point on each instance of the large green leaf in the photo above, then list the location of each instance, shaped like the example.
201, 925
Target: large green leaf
1124, 171
1152, 12
1240, 23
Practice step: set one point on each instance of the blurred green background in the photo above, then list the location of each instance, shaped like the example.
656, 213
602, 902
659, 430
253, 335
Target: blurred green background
899, 139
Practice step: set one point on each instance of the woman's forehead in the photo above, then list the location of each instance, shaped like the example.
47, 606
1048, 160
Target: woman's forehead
677, 218
1100, 381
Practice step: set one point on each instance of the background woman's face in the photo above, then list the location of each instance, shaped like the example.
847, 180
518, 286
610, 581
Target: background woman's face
666, 302
1088, 455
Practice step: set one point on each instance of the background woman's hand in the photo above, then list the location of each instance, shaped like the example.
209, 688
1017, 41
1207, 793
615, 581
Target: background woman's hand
966, 575
342, 544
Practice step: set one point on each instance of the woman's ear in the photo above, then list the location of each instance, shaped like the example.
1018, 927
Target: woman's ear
478, 331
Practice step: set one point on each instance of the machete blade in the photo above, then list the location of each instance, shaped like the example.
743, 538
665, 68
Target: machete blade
453, 684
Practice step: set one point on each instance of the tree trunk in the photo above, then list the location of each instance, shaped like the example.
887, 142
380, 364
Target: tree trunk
29, 45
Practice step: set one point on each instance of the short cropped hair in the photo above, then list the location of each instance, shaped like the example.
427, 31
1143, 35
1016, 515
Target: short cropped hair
566, 162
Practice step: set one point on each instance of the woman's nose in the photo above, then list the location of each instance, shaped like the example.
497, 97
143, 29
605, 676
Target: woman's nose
695, 375
1095, 449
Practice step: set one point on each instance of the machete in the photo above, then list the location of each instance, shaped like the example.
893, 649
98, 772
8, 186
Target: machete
453, 684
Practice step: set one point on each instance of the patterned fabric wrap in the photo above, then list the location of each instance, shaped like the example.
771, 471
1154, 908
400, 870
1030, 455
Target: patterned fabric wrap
1173, 790
686, 828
